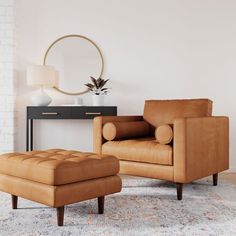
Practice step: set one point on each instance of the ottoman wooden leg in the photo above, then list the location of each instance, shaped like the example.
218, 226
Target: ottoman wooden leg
179, 191
101, 205
14, 200
60, 215
215, 179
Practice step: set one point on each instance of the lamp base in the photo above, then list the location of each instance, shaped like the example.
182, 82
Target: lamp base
41, 98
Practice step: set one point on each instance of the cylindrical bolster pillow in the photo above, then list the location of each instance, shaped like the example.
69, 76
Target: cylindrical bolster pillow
164, 134
123, 130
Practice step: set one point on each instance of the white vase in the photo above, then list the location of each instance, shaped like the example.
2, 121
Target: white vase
98, 100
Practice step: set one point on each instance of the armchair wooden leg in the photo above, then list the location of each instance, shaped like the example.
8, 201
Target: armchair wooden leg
215, 179
60, 216
14, 200
179, 188
101, 204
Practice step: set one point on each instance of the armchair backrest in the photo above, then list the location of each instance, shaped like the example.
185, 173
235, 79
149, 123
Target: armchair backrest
157, 112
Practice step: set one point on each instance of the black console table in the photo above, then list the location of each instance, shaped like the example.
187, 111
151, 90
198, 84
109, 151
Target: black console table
62, 112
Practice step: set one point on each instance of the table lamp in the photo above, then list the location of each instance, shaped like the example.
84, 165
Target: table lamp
41, 76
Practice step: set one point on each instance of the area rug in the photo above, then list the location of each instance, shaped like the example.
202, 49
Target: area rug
144, 207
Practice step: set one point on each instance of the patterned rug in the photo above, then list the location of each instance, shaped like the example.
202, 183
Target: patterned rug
144, 207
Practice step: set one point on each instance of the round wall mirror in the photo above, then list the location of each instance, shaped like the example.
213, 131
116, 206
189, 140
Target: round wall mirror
76, 58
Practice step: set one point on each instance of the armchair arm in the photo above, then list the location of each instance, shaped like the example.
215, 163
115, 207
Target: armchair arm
201, 147
98, 123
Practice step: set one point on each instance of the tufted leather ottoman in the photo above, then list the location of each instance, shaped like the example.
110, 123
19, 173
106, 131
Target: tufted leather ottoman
59, 177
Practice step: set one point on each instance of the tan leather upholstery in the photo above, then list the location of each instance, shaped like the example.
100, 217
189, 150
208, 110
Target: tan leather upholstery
141, 150
57, 166
158, 112
98, 123
200, 145
56, 196
121, 130
164, 134
147, 170
58, 177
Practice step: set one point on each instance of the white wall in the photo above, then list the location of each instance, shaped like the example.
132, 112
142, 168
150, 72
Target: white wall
7, 85
152, 48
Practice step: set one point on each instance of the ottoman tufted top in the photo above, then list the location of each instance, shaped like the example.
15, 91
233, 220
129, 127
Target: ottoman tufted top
58, 166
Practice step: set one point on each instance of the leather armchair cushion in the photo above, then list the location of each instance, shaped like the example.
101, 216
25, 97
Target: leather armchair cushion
145, 150
58, 166
164, 134
125, 130
158, 112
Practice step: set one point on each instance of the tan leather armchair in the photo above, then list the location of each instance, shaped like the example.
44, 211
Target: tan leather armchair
200, 145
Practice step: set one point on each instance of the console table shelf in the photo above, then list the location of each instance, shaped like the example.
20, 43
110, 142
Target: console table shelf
63, 112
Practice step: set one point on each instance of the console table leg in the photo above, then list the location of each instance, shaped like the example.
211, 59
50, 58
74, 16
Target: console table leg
31, 134
27, 135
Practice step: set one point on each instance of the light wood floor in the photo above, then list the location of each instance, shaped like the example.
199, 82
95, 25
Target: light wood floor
223, 177
227, 177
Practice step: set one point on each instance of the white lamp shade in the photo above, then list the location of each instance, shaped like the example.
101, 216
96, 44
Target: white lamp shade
41, 76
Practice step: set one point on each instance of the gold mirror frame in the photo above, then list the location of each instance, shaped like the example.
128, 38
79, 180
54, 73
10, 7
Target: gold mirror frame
75, 36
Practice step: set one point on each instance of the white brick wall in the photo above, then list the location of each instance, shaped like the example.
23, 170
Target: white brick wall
7, 87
